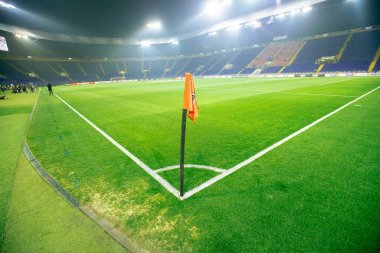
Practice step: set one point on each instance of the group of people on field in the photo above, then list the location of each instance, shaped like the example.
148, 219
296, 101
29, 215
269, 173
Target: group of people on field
18, 88
22, 88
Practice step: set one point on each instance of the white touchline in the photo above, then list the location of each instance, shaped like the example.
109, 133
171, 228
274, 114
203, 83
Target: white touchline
263, 152
338, 81
298, 93
145, 167
31, 114
196, 166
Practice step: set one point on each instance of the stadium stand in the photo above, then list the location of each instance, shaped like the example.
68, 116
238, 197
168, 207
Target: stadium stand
359, 53
314, 50
266, 56
357, 50
282, 55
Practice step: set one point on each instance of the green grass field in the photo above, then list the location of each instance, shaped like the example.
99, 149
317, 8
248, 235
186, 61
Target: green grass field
317, 192
33, 217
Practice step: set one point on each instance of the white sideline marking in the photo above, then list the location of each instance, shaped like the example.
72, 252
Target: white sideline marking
145, 167
344, 80
300, 93
317, 94
263, 152
191, 166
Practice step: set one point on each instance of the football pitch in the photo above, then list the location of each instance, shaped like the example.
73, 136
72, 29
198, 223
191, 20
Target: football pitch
271, 164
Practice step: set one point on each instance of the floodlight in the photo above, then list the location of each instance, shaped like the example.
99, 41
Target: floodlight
215, 8
154, 25
306, 9
227, 2
7, 5
234, 28
174, 42
294, 12
145, 43
29, 57
254, 24
280, 16
69, 58
21, 36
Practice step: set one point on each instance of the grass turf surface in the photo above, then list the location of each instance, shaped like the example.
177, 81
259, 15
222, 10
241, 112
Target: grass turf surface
34, 218
14, 115
318, 192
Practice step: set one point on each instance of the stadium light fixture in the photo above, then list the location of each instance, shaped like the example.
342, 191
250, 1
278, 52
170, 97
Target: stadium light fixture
227, 3
234, 28
21, 36
280, 16
254, 24
214, 33
306, 9
7, 5
215, 8
145, 43
294, 12
154, 25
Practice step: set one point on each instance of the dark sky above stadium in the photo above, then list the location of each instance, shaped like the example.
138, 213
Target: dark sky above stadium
128, 18
120, 18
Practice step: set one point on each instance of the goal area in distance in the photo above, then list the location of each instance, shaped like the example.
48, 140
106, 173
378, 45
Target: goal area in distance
117, 79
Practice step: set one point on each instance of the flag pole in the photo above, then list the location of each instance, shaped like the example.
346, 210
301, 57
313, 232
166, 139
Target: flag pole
182, 158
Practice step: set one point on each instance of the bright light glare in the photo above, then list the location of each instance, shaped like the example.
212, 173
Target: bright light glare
294, 12
280, 16
213, 33
234, 28
174, 42
7, 5
254, 24
227, 2
215, 8
21, 36
306, 9
145, 43
154, 25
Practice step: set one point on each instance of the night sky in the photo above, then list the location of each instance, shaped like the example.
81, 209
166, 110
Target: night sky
128, 18
119, 18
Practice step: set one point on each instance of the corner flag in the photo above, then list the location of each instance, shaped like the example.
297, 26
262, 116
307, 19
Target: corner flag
189, 109
189, 98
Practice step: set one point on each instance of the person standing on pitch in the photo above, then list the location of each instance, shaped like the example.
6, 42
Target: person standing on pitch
50, 88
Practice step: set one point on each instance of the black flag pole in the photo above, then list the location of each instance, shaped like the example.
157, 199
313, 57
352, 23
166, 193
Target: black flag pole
182, 158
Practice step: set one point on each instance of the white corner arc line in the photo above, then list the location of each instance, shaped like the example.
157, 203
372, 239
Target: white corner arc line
174, 167
145, 167
268, 149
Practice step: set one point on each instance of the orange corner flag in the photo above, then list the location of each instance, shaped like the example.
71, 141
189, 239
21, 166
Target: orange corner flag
189, 98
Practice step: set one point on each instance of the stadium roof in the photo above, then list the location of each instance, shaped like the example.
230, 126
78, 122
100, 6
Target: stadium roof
121, 22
